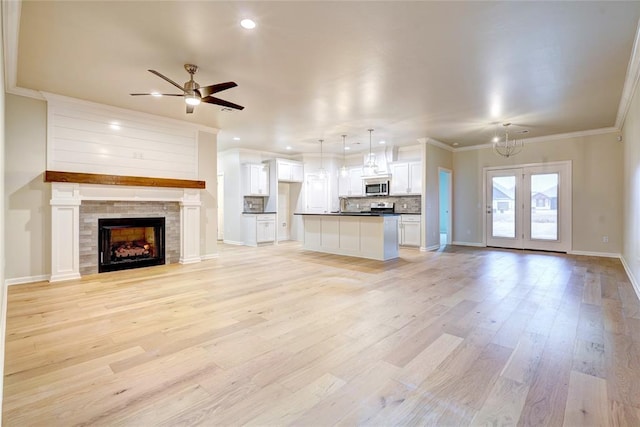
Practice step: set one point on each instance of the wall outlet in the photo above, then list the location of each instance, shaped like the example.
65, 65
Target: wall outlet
357, 205
605, 239
404, 206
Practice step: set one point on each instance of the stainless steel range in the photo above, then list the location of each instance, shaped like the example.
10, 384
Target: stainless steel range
382, 207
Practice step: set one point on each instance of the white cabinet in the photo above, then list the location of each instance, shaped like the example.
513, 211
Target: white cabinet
406, 178
409, 230
351, 185
256, 179
290, 171
259, 228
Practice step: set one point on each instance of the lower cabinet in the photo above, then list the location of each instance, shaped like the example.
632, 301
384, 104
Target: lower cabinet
409, 232
259, 229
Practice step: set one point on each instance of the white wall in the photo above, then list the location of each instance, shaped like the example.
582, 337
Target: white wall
208, 172
3, 287
229, 166
631, 191
434, 157
27, 196
596, 195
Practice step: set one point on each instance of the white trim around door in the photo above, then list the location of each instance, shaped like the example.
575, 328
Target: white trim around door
528, 206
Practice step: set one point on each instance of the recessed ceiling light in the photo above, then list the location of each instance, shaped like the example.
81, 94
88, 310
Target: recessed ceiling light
249, 24
455, 144
288, 147
382, 142
156, 94
347, 148
236, 138
114, 125
495, 139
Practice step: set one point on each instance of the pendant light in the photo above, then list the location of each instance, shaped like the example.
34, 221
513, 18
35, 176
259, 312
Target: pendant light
343, 170
370, 167
322, 174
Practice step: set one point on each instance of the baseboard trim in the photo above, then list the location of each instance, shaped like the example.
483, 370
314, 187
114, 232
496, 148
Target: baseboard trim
63, 277
598, 254
191, 260
210, 256
474, 244
233, 242
632, 278
429, 248
27, 279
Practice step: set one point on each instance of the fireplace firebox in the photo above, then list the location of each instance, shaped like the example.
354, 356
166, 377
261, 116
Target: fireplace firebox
126, 243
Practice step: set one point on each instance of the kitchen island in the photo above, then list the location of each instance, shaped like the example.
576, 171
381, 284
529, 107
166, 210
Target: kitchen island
364, 235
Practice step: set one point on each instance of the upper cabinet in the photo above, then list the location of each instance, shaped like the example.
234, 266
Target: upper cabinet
351, 185
255, 179
290, 170
406, 178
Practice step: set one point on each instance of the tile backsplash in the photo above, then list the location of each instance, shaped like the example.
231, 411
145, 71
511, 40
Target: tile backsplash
356, 204
253, 204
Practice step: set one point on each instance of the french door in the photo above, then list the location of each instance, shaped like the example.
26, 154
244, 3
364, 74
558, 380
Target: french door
529, 207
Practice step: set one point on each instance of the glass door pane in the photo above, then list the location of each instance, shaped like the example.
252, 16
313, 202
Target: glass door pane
503, 200
544, 206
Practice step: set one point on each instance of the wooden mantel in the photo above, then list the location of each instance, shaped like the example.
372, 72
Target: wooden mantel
136, 181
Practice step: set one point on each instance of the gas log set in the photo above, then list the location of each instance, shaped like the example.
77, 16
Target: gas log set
138, 248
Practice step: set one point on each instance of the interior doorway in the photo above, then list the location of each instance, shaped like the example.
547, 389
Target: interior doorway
220, 200
529, 207
445, 191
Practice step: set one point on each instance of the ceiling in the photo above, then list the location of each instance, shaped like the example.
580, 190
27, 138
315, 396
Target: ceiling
316, 70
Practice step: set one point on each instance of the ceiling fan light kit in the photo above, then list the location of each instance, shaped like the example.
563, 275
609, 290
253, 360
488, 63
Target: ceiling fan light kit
506, 147
193, 93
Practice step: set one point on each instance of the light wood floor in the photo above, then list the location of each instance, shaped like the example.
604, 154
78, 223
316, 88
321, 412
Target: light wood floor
277, 336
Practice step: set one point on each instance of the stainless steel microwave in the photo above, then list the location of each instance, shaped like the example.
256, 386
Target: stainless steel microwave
378, 189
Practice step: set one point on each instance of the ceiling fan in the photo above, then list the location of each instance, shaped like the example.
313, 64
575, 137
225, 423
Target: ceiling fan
193, 93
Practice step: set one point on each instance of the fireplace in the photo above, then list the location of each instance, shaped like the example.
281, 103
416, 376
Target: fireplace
126, 243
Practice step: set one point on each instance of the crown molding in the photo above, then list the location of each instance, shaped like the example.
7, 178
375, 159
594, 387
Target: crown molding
436, 143
630, 81
547, 138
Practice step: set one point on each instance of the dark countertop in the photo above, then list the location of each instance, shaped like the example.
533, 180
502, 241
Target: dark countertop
376, 214
257, 213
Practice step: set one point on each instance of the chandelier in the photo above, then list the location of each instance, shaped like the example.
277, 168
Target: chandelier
370, 167
507, 147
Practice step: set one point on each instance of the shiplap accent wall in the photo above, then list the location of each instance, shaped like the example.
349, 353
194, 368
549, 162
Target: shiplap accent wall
94, 138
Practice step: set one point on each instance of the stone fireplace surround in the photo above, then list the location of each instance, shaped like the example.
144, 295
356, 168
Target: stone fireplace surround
93, 210
66, 202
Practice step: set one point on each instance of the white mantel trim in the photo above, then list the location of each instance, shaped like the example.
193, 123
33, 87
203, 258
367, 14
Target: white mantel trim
66, 199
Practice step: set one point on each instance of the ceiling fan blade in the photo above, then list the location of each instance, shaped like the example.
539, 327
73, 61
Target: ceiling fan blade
168, 79
155, 94
189, 109
211, 89
218, 101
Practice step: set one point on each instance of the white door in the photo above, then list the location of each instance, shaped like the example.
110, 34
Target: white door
529, 207
316, 194
283, 211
